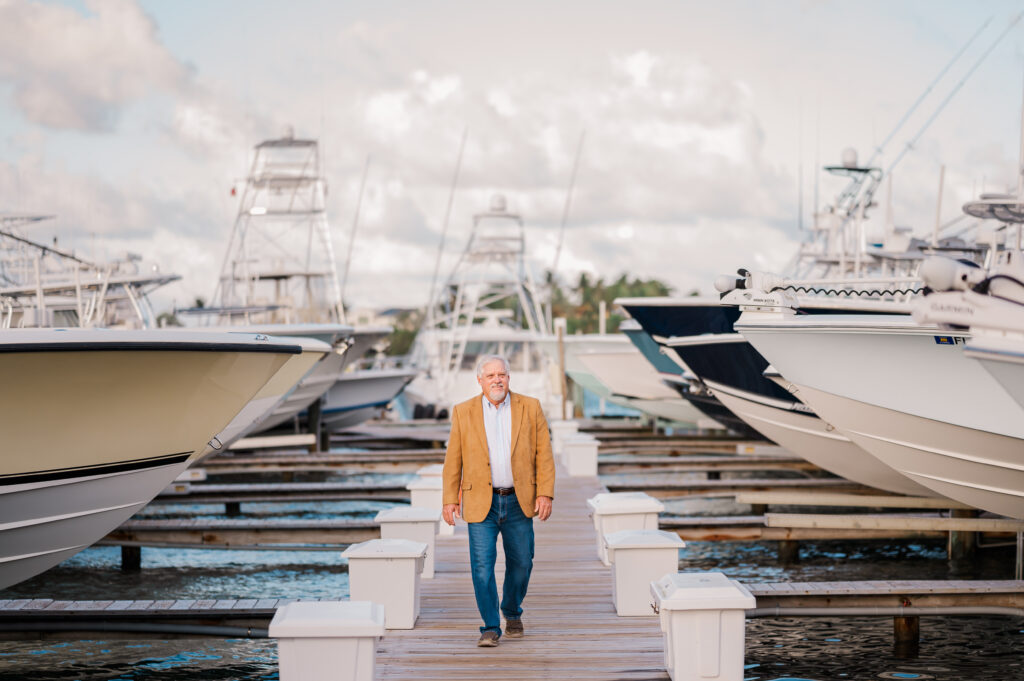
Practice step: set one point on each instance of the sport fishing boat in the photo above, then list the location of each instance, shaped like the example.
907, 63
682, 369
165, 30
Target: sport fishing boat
905, 389
735, 373
279, 269
702, 335
988, 302
97, 422
904, 392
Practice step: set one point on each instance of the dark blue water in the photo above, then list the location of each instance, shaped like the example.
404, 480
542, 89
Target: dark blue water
815, 649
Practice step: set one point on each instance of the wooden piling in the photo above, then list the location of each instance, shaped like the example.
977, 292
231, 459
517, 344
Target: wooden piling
961, 546
314, 424
906, 636
789, 552
131, 558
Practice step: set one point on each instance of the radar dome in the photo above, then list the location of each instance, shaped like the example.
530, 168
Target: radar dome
849, 157
498, 204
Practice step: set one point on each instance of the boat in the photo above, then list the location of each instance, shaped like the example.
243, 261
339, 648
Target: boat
664, 319
360, 394
44, 286
274, 395
279, 269
611, 367
905, 393
904, 388
731, 371
990, 303
735, 374
135, 408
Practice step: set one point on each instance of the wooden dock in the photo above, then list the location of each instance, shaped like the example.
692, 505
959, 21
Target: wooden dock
572, 630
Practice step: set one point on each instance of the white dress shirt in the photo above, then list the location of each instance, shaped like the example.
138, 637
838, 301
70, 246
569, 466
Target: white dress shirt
498, 426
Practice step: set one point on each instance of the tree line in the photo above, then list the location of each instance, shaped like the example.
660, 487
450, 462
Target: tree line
580, 304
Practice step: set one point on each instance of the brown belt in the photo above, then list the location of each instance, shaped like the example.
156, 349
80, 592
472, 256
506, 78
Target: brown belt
504, 491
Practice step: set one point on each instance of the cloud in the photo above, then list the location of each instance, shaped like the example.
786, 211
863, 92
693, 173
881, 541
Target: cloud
74, 71
687, 167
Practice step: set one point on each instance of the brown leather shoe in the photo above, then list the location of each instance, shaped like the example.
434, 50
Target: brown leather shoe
488, 639
514, 628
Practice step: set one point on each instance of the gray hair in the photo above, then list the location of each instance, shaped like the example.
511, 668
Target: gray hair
487, 359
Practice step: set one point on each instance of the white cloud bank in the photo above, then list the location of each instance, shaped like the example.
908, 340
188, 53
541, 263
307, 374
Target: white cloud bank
679, 177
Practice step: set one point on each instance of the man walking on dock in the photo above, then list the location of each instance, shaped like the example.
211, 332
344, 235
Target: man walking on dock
499, 458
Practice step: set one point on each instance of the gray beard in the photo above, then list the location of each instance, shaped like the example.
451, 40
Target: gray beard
497, 395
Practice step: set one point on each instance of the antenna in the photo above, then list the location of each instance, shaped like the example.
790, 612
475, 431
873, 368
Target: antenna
800, 170
352, 237
881, 147
817, 164
952, 93
444, 226
1020, 159
568, 202
938, 206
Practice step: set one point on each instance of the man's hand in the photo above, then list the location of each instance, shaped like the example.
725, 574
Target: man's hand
451, 512
543, 508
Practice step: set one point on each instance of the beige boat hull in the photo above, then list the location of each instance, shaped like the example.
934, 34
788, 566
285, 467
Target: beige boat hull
91, 436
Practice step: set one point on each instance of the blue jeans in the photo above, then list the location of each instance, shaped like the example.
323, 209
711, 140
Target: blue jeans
506, 518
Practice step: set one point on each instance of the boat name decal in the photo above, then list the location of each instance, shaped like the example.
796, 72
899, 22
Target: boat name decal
952, 307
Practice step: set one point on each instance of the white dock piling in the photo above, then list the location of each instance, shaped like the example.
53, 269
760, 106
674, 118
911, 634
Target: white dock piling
327, 641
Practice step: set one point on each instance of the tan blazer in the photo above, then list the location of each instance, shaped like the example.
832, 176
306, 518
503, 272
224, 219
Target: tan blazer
467, 464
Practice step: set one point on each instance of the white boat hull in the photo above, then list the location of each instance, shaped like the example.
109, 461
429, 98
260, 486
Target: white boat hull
360, 395
1003, 359
612, 368
909, 396
46, 523
891, 362
809, 437
975, 467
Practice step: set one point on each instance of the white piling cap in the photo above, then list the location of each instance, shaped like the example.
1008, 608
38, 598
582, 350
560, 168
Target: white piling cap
406, 514
328, 619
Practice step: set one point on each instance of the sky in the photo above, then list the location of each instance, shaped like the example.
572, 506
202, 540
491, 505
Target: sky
703, 124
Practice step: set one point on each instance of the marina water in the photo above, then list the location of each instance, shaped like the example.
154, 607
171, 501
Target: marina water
818, 649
